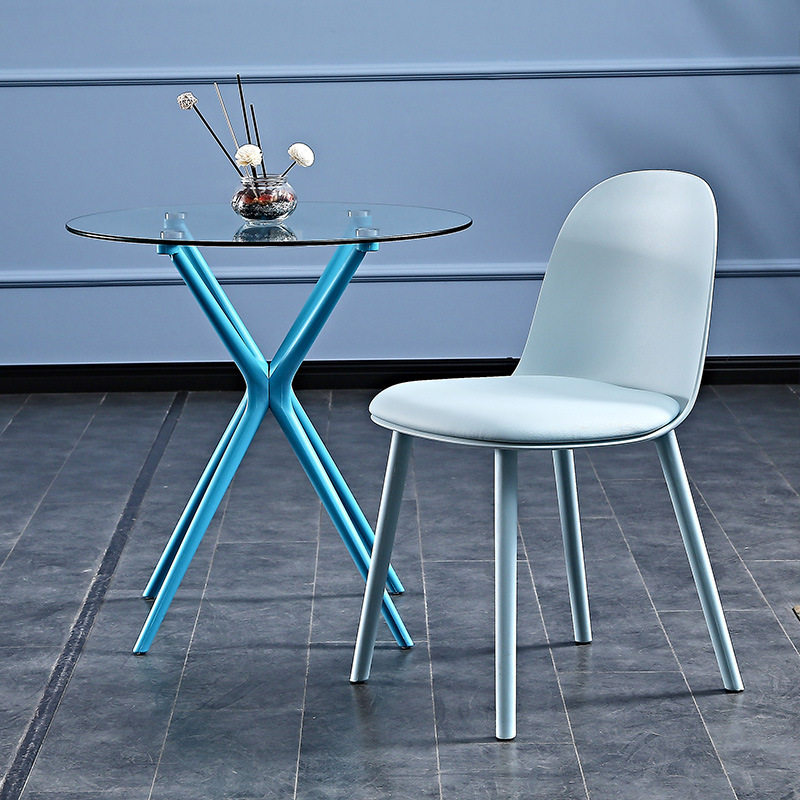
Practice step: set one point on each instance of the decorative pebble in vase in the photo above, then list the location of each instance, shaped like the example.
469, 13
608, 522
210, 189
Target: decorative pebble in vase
264, 199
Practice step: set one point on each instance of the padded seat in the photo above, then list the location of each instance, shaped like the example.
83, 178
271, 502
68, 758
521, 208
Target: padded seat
522, 410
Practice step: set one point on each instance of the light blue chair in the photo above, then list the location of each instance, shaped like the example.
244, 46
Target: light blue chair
614, 356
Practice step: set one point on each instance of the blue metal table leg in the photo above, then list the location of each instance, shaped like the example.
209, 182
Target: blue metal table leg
196, 273
194, 257
218, 485
306, 454
231, 331
167, 557
360, 522
258, 399
293, 350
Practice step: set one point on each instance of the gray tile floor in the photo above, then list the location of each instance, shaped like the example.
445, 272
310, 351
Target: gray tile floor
245, 692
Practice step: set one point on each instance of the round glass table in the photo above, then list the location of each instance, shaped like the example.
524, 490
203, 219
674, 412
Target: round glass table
179, 232
217, 225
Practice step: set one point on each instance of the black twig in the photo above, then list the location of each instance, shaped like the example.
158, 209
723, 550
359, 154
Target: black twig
246, 124
244, 109
258, 140
216, 139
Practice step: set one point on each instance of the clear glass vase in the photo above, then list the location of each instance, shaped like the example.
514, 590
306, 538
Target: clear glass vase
264, 199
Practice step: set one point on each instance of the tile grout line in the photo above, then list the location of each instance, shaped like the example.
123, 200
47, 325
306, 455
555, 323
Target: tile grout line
728, 538
55, 478
666, 636
31, 742
308, 654
427, 630
747, 570
224, 505
15, 414
553, 663
756, 442
310, 628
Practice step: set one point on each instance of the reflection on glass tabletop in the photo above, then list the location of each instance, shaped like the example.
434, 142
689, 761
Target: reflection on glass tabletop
311, 223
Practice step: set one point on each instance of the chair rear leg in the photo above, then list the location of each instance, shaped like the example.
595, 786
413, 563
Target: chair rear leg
567, 489
681, 495
391, 498
505, 615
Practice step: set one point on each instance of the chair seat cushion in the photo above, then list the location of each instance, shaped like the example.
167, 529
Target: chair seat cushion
522, 410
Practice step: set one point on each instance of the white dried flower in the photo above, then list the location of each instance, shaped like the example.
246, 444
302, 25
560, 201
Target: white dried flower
302, 154
248, 155
187, 100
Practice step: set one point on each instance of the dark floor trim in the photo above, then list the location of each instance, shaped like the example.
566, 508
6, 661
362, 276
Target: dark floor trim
751, 369
31, 742
375, 375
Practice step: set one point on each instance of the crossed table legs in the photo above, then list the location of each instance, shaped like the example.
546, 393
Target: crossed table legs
269, 388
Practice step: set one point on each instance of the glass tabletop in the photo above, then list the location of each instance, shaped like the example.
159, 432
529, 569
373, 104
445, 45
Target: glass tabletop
311, 223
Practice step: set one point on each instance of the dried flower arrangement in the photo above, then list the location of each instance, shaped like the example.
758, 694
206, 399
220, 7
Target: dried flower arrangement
265, 197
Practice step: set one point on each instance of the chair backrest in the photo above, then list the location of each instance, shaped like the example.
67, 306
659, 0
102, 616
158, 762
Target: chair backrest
626, 298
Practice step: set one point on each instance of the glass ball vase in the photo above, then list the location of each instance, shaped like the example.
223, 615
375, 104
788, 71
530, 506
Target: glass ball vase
264, 199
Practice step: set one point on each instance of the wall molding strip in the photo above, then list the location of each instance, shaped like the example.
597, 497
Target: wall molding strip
395, 273
355, 73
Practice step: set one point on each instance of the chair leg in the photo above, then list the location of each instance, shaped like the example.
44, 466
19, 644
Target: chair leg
567, 489
396, 469
681, 495
505, 615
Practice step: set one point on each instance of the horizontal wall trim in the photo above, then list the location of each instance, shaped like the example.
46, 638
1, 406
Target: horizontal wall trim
373, 375
409, 273
354, 73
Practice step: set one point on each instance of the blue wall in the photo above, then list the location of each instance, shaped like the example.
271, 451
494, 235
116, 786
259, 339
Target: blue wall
506, 111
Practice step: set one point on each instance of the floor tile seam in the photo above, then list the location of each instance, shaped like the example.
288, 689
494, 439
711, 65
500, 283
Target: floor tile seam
520, 741
669, 642
389, 644
595, 670
60, 676
728, 609
203, 594
15, 414
555, 518
760, 446
547, 640
412, 475
309, 641
744, 565
50, 485
264, 542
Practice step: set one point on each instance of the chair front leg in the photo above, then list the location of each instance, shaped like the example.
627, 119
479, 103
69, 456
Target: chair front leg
391, 498
681, 495
505, 592
567, 489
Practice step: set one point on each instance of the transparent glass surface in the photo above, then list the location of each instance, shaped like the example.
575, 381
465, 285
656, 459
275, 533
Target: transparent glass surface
217, 225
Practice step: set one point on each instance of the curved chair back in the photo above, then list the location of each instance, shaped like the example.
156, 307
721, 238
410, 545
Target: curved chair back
627, 294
